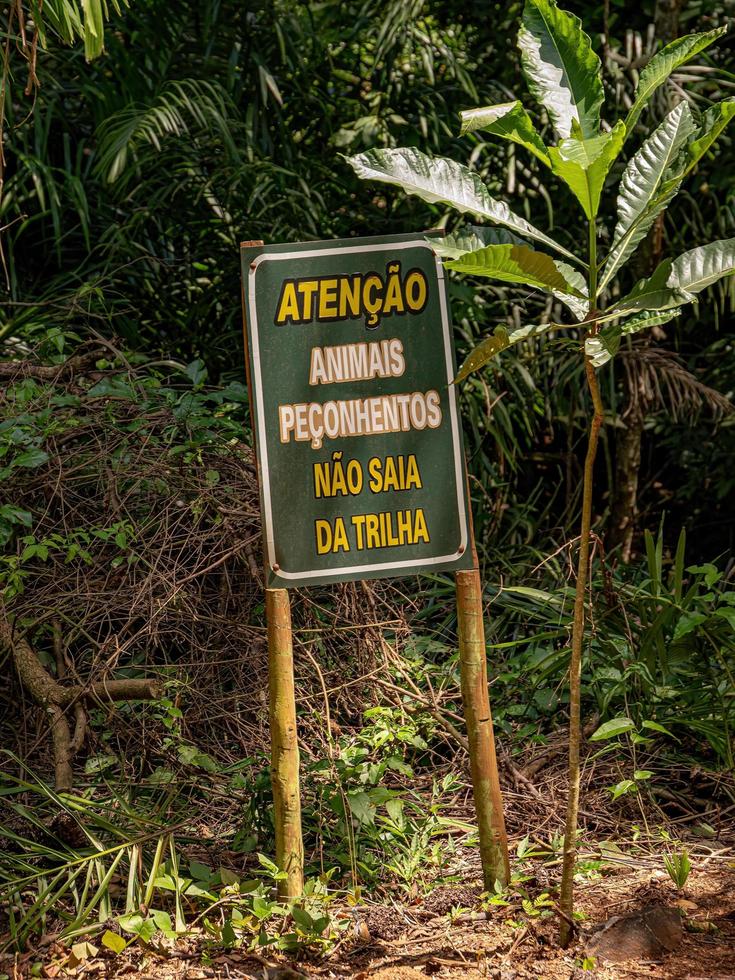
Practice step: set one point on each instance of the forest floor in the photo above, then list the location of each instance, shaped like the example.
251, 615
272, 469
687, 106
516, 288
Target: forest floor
411, 942
444, 932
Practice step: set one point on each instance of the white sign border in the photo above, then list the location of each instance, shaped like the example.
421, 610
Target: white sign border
262, 446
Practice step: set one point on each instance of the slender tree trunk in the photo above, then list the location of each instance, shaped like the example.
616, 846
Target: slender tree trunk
284, 746
566, 898
575, 665
478, 718
627, 469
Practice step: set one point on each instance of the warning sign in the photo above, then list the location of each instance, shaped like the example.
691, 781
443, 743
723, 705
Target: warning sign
356, 423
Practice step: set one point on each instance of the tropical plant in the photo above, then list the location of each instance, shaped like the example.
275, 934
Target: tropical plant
659, 659
564, 75
679, 867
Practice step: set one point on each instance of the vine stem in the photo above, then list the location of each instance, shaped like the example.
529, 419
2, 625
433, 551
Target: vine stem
566, 897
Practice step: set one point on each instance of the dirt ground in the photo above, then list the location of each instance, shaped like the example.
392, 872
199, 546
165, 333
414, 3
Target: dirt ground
446, 935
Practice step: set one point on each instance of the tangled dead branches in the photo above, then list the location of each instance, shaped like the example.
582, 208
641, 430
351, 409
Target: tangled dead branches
133, 562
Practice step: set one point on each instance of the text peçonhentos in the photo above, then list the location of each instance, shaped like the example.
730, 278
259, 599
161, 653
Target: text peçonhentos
314, 421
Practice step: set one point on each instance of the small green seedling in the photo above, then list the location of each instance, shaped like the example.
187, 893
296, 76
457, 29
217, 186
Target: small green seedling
679, 867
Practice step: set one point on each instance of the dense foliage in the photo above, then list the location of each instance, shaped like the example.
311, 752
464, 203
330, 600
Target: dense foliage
128, 182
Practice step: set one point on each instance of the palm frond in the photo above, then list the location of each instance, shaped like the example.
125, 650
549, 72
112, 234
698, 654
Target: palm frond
181, 108
659, 380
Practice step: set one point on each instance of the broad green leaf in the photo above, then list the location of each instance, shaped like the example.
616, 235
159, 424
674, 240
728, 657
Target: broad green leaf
727, 613
676, 282
575, 302
270, 866
471, 238
302, 918
144, 929
662, 64
688, 158
363, 810
228, 935
622, 788
609, 729
687, 623
714, 122
509, 120
15, 515
113, 941
442, 181
500, 340
654, 726
641, 196
654, 293
201, 872
605, 345
30, 458
584, 164
513, 263
562, 70
163, 922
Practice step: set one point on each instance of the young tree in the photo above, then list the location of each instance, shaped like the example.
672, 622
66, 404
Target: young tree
564, 75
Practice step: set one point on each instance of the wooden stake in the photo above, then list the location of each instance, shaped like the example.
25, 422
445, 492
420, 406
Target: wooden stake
284, 745
483, 760
282, 715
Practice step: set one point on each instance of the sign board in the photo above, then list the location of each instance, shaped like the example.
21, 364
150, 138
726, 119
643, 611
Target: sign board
357, 429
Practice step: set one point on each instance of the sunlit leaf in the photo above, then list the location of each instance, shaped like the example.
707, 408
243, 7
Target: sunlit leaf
640, 197
677, 282
654, 726
605, 345
584, 164
73, 20
714, 121
622, 788
612, 728
508, 120
562, 70
576, 302
500, 340
442, 181
513, 263
113, 941
471, 238
662, 64
362, 808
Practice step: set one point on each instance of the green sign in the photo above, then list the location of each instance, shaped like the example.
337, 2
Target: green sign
356, 424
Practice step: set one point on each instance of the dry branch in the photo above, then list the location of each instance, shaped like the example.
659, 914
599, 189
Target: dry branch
54, 697
56, 373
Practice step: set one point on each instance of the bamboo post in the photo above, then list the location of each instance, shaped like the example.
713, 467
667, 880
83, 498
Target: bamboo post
478, 718
282, 715
284, 745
